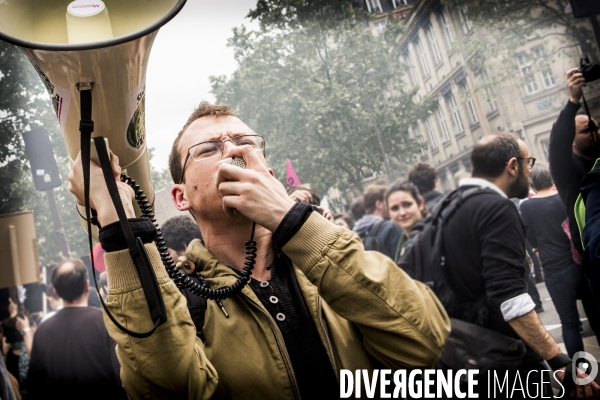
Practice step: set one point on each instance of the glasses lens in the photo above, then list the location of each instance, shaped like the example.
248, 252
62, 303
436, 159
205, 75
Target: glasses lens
256, 142
206, 150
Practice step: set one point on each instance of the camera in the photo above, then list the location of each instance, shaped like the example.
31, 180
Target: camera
590, 72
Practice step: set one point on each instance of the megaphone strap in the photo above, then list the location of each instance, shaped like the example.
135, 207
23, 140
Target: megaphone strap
137, 251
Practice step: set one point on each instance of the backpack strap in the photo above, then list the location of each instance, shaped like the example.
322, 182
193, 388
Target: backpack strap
375, 228
454, 203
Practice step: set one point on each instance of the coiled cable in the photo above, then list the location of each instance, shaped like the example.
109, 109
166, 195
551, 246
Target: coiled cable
182, 281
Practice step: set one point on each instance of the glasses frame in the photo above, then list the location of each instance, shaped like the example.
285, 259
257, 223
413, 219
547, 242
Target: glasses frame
530, 160
187, 157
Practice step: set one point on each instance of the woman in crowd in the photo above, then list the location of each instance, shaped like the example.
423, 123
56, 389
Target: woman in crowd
406, 208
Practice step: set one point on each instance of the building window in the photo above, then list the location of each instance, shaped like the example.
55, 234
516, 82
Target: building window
378, 26
411, 68
465, 22
432, 138
421, 139
435, 49
526, 73
472, 109
490, 97
422, 57
448, 32
443, 125
546, 147
398, 3
456, 120
543, 67
373, 6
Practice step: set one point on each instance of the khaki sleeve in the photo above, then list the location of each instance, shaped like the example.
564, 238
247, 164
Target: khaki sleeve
170, 364
402, 321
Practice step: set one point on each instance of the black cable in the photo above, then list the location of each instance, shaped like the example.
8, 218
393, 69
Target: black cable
180, 278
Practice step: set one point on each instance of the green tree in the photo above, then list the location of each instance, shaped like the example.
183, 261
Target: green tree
318, 86
161, 178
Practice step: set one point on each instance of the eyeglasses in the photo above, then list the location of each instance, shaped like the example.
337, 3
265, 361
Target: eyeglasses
530, 160
212, 148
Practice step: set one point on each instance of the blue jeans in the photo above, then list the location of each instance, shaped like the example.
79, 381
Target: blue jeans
565, 287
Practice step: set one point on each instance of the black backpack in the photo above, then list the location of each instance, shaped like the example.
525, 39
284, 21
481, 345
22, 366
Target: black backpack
469, 345
423, 259
370, 239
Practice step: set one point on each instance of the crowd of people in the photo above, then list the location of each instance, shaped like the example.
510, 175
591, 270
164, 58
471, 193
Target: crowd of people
327, 291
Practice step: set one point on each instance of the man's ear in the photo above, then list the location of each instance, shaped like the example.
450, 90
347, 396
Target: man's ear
513, 166
179, 197
378, 205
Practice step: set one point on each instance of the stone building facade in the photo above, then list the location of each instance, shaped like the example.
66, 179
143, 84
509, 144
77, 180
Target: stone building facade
470, 103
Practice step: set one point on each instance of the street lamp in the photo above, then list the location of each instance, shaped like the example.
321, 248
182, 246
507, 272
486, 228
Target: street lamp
352, 82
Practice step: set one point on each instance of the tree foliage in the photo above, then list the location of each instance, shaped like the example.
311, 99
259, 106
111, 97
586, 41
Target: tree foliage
317, 84
25, 105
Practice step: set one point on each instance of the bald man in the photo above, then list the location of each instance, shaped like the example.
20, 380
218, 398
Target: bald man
572, 152
72, 356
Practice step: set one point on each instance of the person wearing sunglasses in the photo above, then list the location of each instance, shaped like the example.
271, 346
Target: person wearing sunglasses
315, 303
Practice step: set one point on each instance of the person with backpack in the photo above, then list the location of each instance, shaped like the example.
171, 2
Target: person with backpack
471, 251
375, 229
406, 208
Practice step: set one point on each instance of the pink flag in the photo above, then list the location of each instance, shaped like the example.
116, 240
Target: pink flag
292, 178
98, 255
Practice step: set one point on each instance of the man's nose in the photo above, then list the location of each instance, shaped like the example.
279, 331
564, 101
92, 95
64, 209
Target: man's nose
226, 143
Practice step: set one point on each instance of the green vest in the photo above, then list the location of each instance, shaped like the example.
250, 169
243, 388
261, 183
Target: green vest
580, 211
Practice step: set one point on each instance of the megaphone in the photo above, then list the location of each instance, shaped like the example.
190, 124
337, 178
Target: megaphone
102, 46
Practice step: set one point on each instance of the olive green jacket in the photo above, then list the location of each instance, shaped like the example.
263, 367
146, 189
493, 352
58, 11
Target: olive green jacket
367, 312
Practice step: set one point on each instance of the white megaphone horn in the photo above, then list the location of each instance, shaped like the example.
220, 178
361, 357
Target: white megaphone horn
100, 45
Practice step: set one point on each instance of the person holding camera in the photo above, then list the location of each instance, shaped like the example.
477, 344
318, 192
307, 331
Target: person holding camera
315, 303
572, 152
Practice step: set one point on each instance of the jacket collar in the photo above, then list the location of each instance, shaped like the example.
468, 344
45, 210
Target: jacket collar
483, 183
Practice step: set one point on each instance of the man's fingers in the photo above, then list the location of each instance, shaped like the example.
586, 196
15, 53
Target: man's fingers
114, 163
228, 172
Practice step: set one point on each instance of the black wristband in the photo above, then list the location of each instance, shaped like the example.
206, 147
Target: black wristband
559, 361
112, 238
291, 223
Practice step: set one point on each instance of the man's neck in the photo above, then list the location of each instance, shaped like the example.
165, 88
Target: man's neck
377, 213
228, 245
79, 302
545, 192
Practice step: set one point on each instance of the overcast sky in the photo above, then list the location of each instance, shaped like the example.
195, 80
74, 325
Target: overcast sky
187, 50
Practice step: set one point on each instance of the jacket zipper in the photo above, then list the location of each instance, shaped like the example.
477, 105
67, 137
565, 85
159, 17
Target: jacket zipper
326, 332
282, 348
